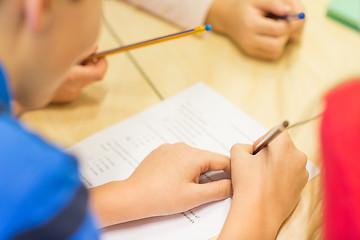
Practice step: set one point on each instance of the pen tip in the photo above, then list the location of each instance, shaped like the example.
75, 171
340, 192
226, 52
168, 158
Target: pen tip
301, 15
208, 27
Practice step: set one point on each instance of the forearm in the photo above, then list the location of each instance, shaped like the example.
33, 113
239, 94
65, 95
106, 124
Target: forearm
246, 220
118, 202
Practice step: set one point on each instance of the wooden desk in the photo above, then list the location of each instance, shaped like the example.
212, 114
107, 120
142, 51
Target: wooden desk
122, 93
290, 88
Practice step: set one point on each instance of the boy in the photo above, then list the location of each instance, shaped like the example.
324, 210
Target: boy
41, 194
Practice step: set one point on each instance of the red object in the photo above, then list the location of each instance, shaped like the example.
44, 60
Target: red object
340, 134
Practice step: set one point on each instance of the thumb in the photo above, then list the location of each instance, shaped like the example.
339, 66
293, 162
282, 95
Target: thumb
92, 50
91, 71
88, 54
214, 191
241, 150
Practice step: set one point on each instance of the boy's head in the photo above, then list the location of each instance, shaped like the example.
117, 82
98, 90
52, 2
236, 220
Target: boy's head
41, 40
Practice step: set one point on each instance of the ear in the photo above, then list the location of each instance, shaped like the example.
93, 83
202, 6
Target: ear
36, 14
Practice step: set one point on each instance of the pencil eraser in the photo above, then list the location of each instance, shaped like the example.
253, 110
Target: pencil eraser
301, 15
208, 27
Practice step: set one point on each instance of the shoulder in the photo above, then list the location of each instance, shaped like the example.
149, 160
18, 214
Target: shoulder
21, 142
26, 158
39, 182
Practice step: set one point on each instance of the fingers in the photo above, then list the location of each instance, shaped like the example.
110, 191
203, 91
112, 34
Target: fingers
282, 145
296, 30
264, 55
89, 53
266, 38
272, 45
277, 7
270, 27
241, 150
91, 71
296, 36
213, 191
79, 77
214, 162
265, 47
281, 142
206, 160
296, 26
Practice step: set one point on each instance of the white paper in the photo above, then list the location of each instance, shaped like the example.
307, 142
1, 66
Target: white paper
197, 116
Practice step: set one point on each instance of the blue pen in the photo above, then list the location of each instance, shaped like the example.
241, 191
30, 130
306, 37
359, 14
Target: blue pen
289, 17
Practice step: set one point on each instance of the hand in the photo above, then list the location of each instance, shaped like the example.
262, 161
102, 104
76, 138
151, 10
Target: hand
165, 182
267, 187
245, 22
80, 76
169, 178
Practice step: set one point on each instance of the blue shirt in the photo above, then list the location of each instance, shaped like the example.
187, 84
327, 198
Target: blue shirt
41, 196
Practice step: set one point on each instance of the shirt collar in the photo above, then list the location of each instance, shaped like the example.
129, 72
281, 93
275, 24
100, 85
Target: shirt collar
5, 97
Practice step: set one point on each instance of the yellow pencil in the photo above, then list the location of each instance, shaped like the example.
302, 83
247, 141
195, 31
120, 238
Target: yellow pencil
197, 30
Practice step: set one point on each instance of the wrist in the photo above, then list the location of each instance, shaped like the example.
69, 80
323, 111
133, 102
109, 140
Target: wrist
256, 218
215, 16
117, 202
